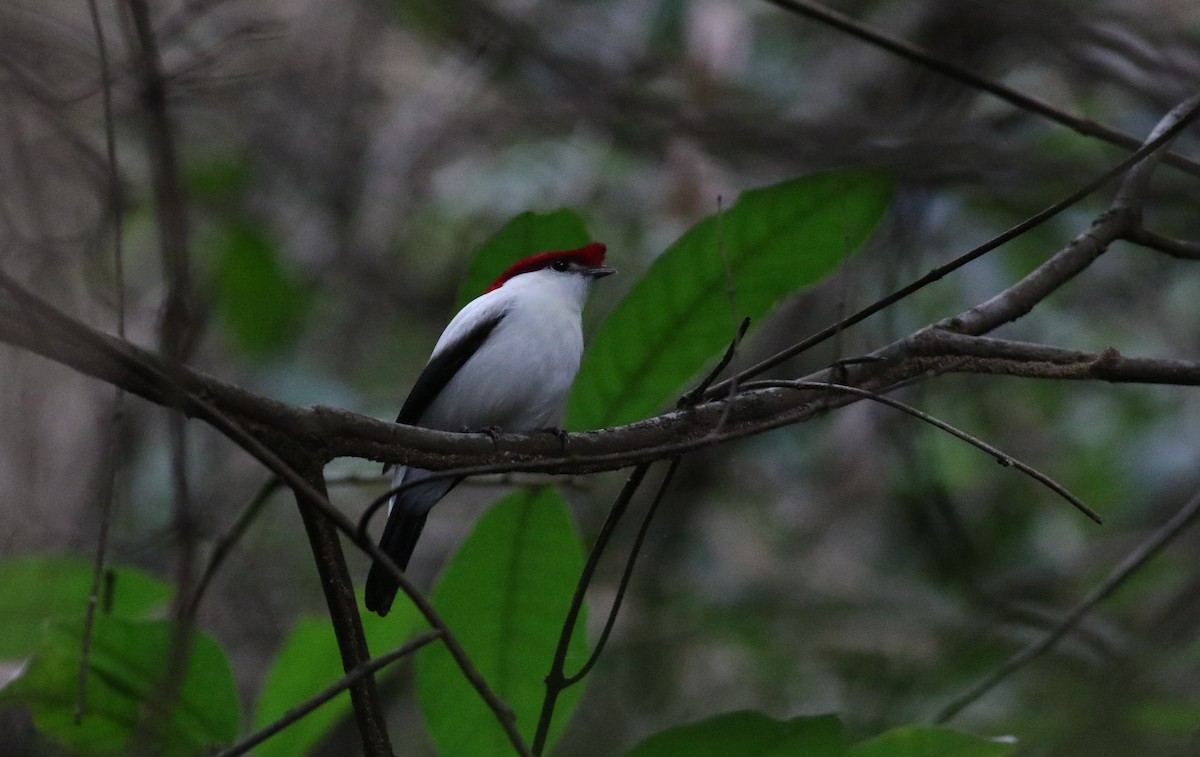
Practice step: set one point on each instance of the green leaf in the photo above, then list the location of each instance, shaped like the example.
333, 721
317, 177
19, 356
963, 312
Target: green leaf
38, 588
1166, 716
527, 234
309, 661
259, 304
748, 734
678, 316
930, 741
429, 17
504, 595
127, 668
217, 179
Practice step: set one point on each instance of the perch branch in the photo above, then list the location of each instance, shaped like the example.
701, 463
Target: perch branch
29, 322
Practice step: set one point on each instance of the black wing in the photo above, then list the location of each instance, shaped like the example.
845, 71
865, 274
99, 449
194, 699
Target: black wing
441, 368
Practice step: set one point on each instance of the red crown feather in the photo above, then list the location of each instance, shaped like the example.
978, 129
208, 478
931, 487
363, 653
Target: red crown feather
590, 256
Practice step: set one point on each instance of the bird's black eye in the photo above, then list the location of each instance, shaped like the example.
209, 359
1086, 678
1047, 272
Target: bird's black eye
561, 265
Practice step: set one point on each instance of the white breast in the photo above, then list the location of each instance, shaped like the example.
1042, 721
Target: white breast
519, 378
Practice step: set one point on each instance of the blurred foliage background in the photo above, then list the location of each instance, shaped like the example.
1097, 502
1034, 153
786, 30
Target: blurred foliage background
341, 161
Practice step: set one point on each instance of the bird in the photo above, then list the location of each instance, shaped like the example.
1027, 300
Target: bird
505, 362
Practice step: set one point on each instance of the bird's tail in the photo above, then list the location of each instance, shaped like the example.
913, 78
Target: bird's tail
406, 518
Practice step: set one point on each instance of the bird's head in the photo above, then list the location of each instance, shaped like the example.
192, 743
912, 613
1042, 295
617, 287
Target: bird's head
581, 265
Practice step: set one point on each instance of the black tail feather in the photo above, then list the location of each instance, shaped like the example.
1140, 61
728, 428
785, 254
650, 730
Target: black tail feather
399, 539
400, 535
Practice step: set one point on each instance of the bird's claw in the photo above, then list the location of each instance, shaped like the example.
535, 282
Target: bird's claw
558, 433
492, 432
838, 368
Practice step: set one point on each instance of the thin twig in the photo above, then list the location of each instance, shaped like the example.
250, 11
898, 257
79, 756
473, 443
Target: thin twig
175, 329
231, 537
116, 193
1132, 194
104, 497
364, 520
373, 507
108, 464
923, 57
1177, 248
555, 680
693, 398
177, 323
294, 714
1121, 573
1003, 458
626, 576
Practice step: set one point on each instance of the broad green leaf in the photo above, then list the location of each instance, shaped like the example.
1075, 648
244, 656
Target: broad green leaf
930, 741
127, 668
1162, 715
258, 302
527, 234
308, 662
38, 588
748, 734
678, 316
504, 595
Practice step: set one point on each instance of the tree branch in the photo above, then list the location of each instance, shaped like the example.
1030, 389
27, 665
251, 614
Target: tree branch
343, 613
177, 325
224, 545
1116, 578
923, 57
1001, 457
29, 322
1176, 248
364, 671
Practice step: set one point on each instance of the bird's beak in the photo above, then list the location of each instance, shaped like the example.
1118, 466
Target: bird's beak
599, 273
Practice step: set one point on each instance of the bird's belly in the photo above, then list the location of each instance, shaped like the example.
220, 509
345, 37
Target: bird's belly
508, 385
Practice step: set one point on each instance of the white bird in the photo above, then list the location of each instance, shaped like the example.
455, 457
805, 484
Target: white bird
506, 361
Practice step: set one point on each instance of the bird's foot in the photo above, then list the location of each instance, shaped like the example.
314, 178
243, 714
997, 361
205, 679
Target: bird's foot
492, 432
558, 433
838, 368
